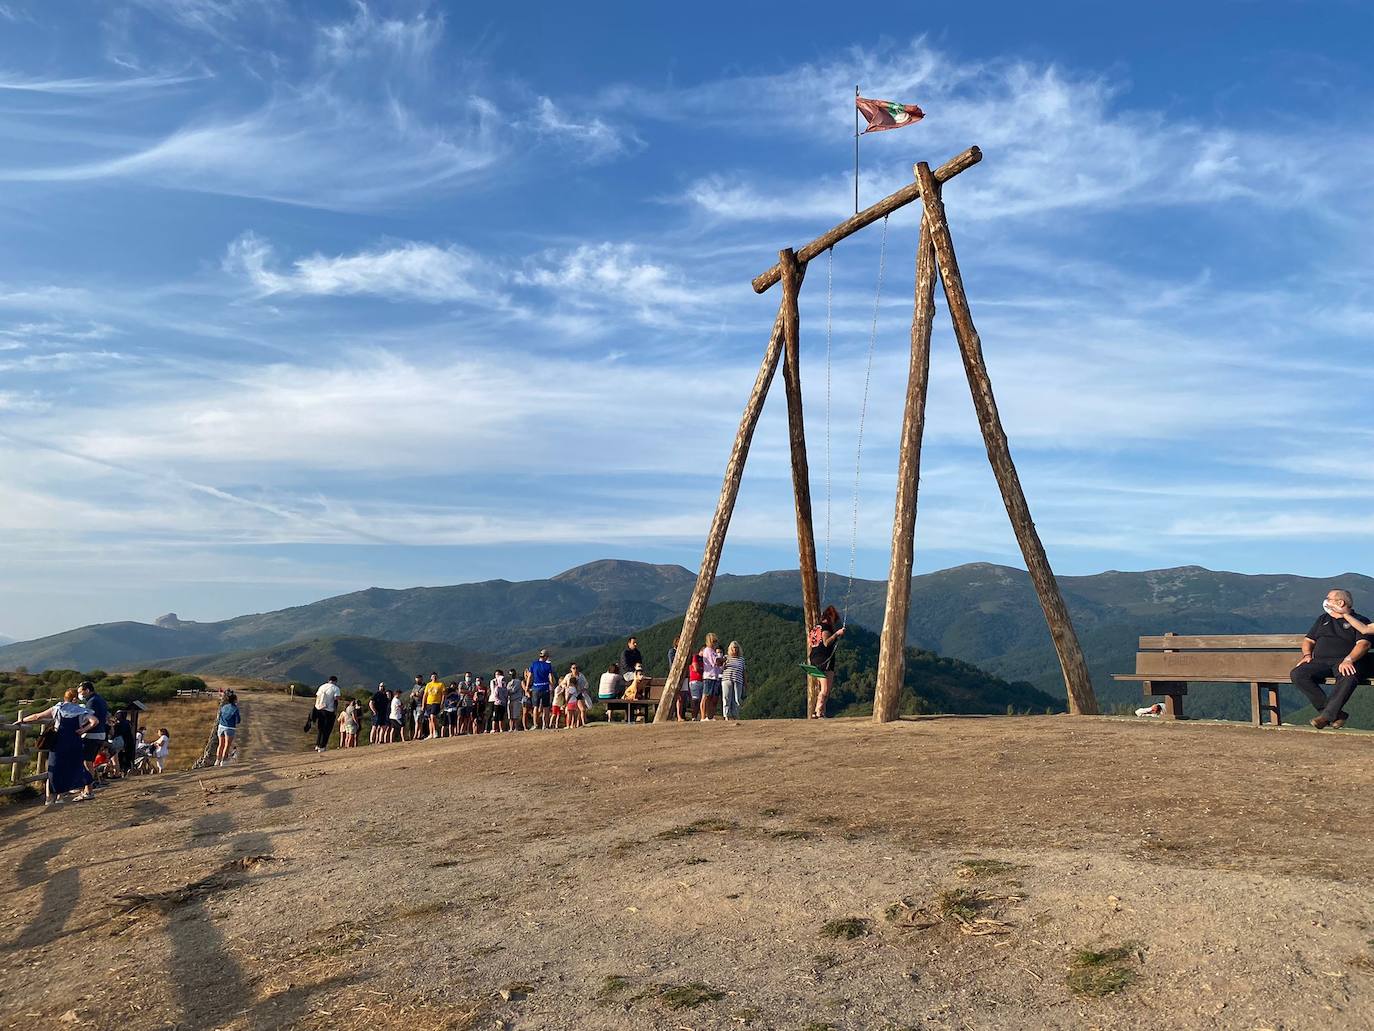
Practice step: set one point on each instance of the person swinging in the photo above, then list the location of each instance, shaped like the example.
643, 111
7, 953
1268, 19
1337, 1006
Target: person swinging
824, 639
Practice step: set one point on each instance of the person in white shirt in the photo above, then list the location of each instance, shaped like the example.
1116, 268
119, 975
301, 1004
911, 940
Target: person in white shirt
398, 715
326, 709
162, 747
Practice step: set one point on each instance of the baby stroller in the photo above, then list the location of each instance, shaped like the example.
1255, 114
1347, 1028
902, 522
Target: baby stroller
145, 760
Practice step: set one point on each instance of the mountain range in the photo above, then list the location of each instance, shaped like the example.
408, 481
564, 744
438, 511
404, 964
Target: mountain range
979, 613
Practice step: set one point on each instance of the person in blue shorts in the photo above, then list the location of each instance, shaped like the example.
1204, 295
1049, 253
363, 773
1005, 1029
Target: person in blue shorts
539, 683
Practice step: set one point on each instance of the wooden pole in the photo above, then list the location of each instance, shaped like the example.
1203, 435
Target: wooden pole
892, 647
796, 432
725, 508
869, 215
1082, 699
16, 773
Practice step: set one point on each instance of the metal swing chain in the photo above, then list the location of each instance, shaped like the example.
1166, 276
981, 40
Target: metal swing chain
829, 296
863, 413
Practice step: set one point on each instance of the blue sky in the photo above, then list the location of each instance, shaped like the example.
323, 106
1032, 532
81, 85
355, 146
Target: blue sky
297, 298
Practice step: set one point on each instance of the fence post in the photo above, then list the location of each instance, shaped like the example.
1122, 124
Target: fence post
15, 775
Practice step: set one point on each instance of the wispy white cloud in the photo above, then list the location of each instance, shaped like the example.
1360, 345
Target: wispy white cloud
93, 86
210, 16
595, 138
312, 149
371, 119
366, 36
1054, 141
622, 273
408, 271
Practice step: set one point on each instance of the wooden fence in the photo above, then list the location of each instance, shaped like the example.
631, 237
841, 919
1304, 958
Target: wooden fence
19, 780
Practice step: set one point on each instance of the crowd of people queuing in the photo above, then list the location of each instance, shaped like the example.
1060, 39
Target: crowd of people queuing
89, 744
535, 698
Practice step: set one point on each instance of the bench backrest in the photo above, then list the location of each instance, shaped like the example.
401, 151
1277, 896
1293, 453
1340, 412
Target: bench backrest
1266, 657
655, 689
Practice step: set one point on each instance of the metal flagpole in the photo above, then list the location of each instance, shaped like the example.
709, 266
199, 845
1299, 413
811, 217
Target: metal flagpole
856, 150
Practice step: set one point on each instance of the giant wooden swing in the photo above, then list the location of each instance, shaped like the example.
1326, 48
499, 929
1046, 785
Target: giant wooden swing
935, 249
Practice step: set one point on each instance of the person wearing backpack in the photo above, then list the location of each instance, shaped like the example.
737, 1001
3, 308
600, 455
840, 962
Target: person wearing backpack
229, 720
823, 639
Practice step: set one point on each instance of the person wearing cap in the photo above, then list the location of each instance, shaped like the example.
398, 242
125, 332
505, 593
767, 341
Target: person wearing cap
94, 739
539, 685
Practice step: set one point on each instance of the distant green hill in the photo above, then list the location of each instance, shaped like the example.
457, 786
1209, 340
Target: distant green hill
982, 613
772, 638
356, 661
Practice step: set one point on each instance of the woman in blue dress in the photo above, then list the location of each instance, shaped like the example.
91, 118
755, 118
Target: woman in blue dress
66, 770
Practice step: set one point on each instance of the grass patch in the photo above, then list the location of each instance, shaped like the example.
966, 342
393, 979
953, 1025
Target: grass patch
959, 903
709, 825
846, 928
794, 834
823, 961
1099, 972
978, 869
1116, 954
770, 811
1096, 982
611, 986
1363, 961
688, 996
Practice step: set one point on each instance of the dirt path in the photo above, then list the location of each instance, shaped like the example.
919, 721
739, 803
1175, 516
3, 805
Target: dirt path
710, 877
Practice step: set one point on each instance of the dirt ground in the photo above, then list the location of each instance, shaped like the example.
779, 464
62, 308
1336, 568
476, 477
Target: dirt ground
940, 873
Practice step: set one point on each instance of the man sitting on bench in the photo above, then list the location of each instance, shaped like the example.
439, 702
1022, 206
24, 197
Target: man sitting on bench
1333, 648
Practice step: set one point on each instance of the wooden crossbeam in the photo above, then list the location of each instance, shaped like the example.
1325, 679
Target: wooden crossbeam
869, 215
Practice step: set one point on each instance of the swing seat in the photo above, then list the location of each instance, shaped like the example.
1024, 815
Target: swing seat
812, 671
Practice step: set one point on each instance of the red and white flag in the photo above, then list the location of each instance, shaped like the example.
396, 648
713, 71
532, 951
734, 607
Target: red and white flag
884, 114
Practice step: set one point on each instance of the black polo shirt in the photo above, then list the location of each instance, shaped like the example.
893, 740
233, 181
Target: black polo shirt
1333, 639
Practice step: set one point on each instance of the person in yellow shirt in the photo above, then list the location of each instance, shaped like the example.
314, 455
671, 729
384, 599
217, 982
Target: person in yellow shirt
434, 697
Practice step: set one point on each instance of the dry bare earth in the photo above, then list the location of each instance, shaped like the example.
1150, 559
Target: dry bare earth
576, 879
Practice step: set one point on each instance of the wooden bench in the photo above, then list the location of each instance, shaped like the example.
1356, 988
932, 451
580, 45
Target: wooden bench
646, 707
1167, 664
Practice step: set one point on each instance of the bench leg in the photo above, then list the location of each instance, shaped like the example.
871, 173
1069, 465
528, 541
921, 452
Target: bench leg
1275, 719
1173, 707
1256, 706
